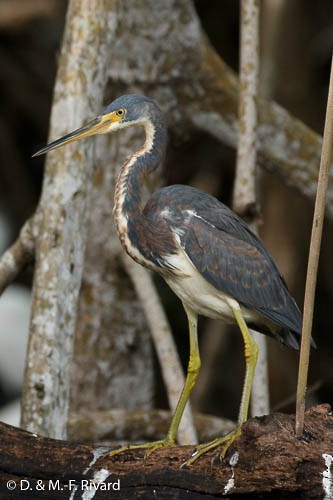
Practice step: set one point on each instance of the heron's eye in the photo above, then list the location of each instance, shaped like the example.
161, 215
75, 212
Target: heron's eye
120, 112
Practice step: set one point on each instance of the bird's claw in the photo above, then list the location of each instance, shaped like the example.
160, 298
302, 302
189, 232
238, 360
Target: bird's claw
201, 449
149, 447
156, 445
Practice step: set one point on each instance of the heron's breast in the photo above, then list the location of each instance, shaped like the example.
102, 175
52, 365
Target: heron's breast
195, 291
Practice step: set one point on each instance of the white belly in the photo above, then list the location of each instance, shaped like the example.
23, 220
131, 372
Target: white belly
202, 297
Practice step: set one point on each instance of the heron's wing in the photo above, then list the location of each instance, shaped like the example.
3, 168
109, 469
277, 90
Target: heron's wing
225, 251
233, 260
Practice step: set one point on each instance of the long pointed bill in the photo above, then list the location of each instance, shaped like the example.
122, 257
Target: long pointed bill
99, 125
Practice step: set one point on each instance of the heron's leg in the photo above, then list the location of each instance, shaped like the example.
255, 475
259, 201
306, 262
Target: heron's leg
192, 373
251, 354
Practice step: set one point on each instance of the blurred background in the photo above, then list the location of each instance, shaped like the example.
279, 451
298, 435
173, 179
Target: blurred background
297, 41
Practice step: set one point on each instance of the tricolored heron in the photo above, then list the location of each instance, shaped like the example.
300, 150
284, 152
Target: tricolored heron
204, 251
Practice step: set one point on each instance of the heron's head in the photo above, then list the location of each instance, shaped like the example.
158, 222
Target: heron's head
125, 111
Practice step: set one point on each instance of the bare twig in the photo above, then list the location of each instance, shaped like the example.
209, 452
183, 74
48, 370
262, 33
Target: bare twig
244, 197
164, 344
18, 255
311, 279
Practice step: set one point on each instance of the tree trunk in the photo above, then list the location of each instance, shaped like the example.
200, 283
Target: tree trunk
63, 211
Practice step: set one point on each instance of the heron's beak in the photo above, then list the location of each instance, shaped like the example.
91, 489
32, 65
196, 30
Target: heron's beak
99, 125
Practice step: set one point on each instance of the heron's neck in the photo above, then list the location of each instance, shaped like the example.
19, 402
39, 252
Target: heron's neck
128, 194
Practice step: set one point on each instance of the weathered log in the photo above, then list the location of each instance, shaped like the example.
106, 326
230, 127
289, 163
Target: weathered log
267, 461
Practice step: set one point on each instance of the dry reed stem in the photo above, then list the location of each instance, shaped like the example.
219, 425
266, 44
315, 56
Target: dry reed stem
312, 271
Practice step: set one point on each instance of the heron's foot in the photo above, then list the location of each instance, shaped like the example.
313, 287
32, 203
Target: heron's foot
150, 447
225, 441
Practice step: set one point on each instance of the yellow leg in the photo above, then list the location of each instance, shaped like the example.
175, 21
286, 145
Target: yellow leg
251, 354
192, 373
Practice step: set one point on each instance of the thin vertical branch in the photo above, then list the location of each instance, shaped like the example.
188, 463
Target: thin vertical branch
312, 271
244, 199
